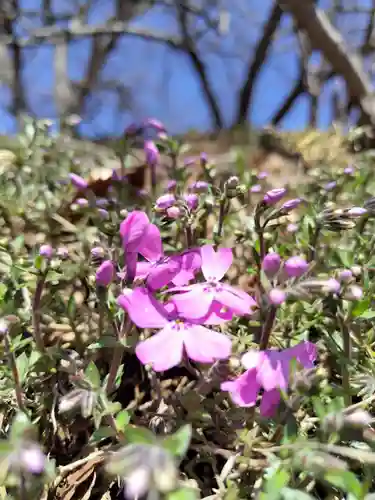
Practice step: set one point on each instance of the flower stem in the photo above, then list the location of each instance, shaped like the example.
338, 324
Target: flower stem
16, 377
118, 354
36, 312
267, 328
313, 243
347, 347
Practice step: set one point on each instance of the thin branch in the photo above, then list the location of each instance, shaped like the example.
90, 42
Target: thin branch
328, 40
190, 48
52, 34
256, 63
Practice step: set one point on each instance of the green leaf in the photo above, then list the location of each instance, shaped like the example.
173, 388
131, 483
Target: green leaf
135, 434
360, 307
367, 315
345, 480
291, 494
122, 420
3, 291
183, 494
22, 363
178, 443
101, 433
38, 262
92, 375
71, 307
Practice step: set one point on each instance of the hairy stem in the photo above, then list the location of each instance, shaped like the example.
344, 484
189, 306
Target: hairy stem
267, 328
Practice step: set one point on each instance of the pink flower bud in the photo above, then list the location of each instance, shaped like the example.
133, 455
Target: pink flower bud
257, 188
152, 153
155, 124
199, 186
46, 251
345, 275
82, 202
291, 204
295, 267
78, 181
277, 296
105, 273
173, 212
192, 200
165, 201
271, 264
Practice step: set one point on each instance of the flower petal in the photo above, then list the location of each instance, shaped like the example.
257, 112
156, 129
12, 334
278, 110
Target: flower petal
305, 353
143, 309
273, 370
143, 269
217, 315
191, 261
204, 345
252, 359
270, 402
244, 390
132, 230
238, 303
163, 350
193, 304
215, 264
151, 246
161, 274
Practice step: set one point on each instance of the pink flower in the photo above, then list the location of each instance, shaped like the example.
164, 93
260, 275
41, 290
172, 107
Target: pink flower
177, 336
295, 267
196, 300
271, 264
78, 181
132, 231
165, 201
268, 370
160, 270
274, 195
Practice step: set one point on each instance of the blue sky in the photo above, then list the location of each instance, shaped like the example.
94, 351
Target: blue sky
161, 81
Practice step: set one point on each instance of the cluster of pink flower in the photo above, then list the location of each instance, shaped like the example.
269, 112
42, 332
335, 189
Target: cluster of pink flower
183, 319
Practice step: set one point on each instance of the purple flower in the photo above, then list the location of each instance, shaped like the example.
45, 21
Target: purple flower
295, 267
291, 204
78, 181
257, 188
277, 296
166, 348
271, 264
105, 273
273, 196
268, 370
103, 213
97, 252
133, 231
165, 201
188, 162
262, 175
46, 251
152, 153
196, 300
349, 170
191, 200
102, 202
204, 159
332, 286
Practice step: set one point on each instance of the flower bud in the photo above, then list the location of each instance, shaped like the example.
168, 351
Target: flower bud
292, 228
277, 296
330, 186
274, 195
345, 275
152, 153
191, 200
103, 213
353, 292
97, 252
46, 251
262, 175
290, 204
349, 170
356, 270
32, 460
271, 264
82, 202
199, 186
355, 212
165, 201
173, 212
257, 188
78, 181
295, 267
155, 124
105, 273
171, 186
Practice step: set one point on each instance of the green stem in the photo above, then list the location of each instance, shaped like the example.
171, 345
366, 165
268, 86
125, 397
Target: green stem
347, 347
16, 377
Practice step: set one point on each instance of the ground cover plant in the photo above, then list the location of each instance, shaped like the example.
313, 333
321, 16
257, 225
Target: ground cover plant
208, 337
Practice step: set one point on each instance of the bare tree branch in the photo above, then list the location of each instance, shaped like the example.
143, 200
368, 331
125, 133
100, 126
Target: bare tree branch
325, 38
191, 50
51, 34
256, 63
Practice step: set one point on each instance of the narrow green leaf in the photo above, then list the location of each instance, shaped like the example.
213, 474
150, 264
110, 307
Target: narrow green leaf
345, 480
22, 363
100, 434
